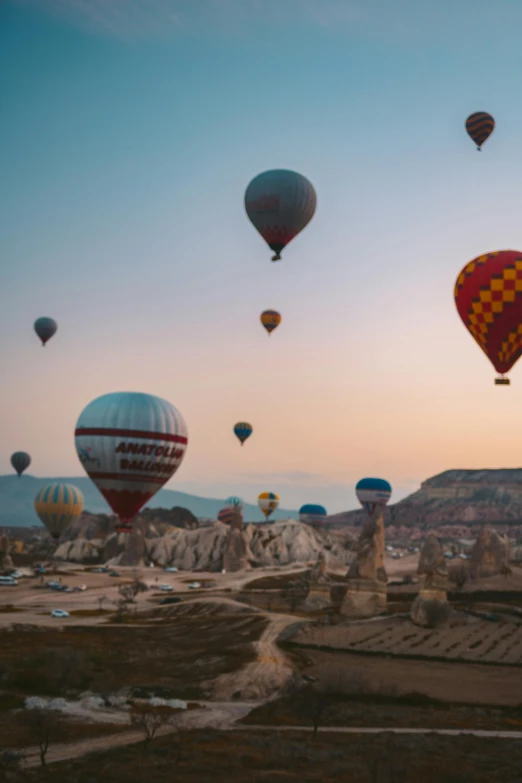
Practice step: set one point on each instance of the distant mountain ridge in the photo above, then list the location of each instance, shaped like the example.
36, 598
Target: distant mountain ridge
17, 496
454, 497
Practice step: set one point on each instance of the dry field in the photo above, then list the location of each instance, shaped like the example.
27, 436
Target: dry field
192, 644
293, 757
476, 642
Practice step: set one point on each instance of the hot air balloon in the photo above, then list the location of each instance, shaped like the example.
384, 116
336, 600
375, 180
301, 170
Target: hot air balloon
58, 505
373, 492
234, 502
20, 461
243, 430
270, 320
227, 514
130, 444
480, 126
312, 514
488, 295
45, 328
268, 502
279, 204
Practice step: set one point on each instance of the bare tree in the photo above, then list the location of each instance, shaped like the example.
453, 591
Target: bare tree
150, 719
313, 703
101, 600
44, 725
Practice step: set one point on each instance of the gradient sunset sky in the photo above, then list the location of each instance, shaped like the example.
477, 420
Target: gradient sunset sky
130, 130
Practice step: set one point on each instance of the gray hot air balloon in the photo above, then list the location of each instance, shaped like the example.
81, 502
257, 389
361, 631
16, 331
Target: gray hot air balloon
20, 461
279, 204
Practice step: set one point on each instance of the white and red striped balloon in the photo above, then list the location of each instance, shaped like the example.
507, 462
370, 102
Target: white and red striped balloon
130, 444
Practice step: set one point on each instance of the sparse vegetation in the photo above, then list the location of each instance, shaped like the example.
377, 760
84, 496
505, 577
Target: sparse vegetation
150, 720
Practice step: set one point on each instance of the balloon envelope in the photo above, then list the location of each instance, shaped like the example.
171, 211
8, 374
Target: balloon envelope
279, 204
234, 502
45, 328
373, 492
58, 505
312, 513
270, 320
20, 461
480, 126
268, 502
488, 296
226, 515
243, 430
130, 444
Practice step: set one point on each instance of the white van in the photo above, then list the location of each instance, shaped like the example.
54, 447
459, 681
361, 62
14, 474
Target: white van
8, 581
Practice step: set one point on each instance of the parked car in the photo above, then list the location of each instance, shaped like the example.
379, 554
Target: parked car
56, 585
114, 573
194, 585
165, 588
8, 581
171, 599
59, 613
171, 570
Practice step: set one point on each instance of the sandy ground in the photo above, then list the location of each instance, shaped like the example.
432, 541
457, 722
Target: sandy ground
36, 604
265, 676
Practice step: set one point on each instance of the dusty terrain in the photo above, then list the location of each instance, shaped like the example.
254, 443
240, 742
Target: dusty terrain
229, 657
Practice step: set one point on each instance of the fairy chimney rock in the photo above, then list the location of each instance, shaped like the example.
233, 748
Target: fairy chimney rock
366, 593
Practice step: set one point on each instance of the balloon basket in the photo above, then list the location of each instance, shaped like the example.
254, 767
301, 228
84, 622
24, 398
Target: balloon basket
502, 381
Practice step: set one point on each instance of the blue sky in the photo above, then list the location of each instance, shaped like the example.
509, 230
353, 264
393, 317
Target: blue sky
130, 131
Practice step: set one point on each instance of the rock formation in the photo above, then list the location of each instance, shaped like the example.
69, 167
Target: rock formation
4, 544
281, 543
430, 607
319, 585
490, 554
454, 497
235, 557
366, 593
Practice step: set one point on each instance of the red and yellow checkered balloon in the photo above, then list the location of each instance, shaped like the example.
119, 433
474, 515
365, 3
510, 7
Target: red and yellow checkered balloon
488, 295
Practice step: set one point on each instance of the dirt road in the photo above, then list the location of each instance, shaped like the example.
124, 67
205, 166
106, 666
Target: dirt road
262, 678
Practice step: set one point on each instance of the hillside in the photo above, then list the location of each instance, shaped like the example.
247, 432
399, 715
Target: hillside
17, 495
455, 497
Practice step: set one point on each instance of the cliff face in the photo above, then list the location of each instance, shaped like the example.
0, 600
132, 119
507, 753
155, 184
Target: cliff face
455, 497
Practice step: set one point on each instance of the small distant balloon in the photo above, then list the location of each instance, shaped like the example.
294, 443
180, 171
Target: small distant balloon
45, 328
20, 461
58, 505
279, 204
234, 502
312, 514
243, 430
226, 514
373, 492
268, 502
130, 444
480, 126
270, 320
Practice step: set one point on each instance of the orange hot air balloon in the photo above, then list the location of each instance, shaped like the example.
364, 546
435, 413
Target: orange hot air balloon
488, 295
270, 320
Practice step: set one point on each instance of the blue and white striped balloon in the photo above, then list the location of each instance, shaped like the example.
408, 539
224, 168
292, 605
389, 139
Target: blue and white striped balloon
373, 492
